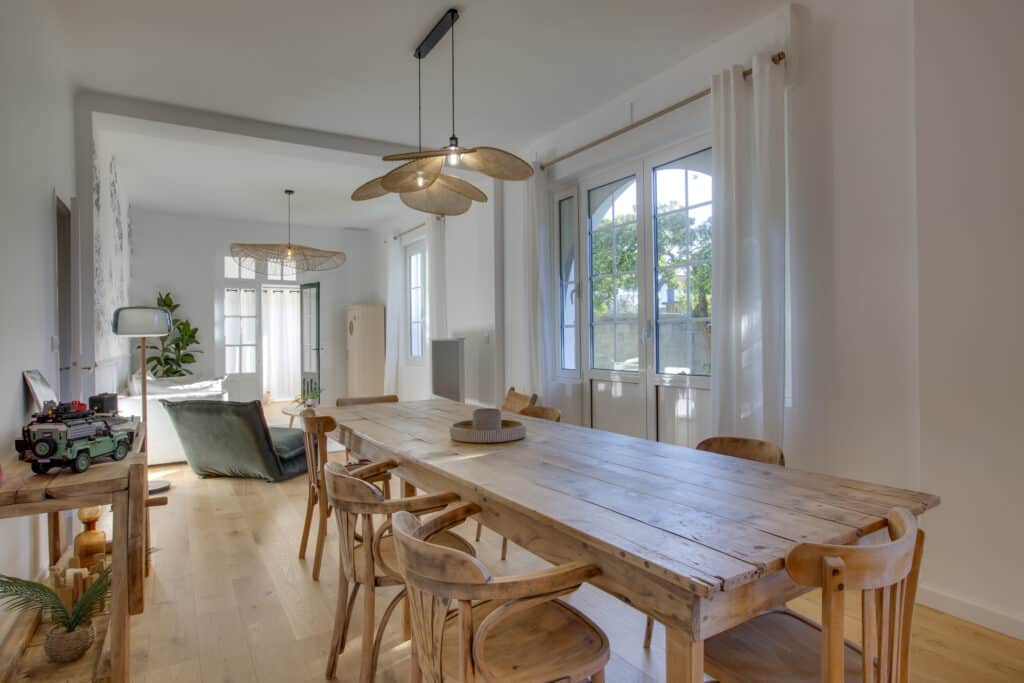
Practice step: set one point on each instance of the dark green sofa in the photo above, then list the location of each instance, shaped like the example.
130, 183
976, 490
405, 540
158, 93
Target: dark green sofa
232, 439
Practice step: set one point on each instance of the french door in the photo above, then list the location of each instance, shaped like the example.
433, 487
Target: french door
310, 363
645, 278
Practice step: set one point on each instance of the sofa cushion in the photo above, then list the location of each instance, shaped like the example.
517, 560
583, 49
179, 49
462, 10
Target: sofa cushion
288, 443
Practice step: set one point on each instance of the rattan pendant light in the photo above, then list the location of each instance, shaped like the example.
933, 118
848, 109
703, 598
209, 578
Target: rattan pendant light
287, 258
420, 182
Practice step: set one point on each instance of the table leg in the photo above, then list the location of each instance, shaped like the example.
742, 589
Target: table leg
53, 523
137, 494
119, 632
291, 421
684, 658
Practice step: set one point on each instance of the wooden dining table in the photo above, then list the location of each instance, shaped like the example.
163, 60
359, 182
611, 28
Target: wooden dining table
696, 540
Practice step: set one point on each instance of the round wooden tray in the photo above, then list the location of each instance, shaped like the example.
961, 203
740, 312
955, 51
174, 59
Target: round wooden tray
510, 431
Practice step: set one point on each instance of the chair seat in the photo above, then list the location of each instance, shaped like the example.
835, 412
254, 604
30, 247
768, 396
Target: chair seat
550, 642
390, 558
780, 645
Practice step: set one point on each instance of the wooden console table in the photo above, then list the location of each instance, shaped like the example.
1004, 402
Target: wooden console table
120, 484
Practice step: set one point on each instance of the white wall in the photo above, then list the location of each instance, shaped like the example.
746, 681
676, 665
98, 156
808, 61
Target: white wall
873, 170
969, 97
185, 254
35, 161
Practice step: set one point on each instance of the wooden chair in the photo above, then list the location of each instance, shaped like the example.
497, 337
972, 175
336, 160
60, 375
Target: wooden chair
314, 431
509, 629
515, 402
781, 645
542, 412
737, 447
748, 449
364, 400
368, 558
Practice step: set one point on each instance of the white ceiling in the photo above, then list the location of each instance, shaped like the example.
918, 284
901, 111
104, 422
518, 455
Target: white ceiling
524, 67
177, 169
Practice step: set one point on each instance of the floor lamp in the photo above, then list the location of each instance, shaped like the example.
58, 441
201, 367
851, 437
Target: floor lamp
141, 322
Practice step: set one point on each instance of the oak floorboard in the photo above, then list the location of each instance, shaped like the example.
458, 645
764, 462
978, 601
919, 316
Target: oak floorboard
229, 600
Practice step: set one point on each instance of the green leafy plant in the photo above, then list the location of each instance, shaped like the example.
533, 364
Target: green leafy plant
310, 394
175, 351
19, 595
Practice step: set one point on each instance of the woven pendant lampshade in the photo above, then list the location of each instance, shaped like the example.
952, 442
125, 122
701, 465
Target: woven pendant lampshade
419, 181
288, 258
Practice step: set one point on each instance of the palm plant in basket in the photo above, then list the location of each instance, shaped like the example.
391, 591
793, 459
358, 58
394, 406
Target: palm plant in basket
72, 632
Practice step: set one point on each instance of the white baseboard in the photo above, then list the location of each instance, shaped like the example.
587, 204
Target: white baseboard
1010, 624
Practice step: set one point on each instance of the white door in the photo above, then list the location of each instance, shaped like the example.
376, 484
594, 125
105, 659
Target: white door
645, 232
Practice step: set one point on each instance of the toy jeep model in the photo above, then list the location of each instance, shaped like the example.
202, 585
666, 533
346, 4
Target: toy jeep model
71, 435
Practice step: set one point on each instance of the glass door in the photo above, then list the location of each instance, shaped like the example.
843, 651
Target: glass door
646, 325
310, 313
616, 356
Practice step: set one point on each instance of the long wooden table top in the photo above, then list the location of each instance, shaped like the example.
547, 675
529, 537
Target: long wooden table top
705, 522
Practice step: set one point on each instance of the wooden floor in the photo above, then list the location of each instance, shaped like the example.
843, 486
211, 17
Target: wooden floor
229, 601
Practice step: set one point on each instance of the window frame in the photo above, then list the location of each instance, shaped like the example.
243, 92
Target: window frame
225, 316
642, 166
413, 247
561, 193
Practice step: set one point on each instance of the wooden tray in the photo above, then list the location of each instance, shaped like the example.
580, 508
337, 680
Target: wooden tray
510, 431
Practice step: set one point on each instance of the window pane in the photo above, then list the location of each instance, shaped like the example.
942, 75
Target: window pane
673, 349
288, 271
626, 297
230, 267
569, 348
248, 359
247, 268
614, 289
273, 270
248, 298
567, 279
604, 347
683, 219
415, 306
627, 347
603, 298
248, 330
672, 289
232, 331
231, 302
231, 359
416, 340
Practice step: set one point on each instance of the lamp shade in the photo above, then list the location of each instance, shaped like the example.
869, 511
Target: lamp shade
142, 321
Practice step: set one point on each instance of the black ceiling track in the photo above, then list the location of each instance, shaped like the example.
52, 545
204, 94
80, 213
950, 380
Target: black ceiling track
439, 31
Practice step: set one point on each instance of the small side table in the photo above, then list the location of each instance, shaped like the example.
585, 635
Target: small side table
293, 412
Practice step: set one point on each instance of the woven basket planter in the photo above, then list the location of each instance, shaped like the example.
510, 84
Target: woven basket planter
62, 647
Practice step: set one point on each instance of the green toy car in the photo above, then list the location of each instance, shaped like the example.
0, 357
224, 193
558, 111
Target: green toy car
70, 435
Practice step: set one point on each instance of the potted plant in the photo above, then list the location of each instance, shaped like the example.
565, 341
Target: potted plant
311, 396
72, 632
175, 351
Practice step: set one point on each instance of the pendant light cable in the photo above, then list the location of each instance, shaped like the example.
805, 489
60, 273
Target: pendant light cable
419, 100
453, 81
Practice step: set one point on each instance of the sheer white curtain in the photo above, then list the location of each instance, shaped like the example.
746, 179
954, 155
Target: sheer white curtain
437, 291
540, 295
394, 313
748, 344
281, 343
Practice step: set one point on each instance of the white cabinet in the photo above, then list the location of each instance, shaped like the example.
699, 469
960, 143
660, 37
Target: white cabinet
364, 329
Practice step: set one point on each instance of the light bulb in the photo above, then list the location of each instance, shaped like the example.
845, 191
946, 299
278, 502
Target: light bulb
453, 158
419, 179
289, 252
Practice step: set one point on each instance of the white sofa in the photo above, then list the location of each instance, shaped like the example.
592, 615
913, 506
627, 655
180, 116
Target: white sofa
162, 441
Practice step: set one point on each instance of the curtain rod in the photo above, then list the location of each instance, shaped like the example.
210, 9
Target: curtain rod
776, 58
406, 232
